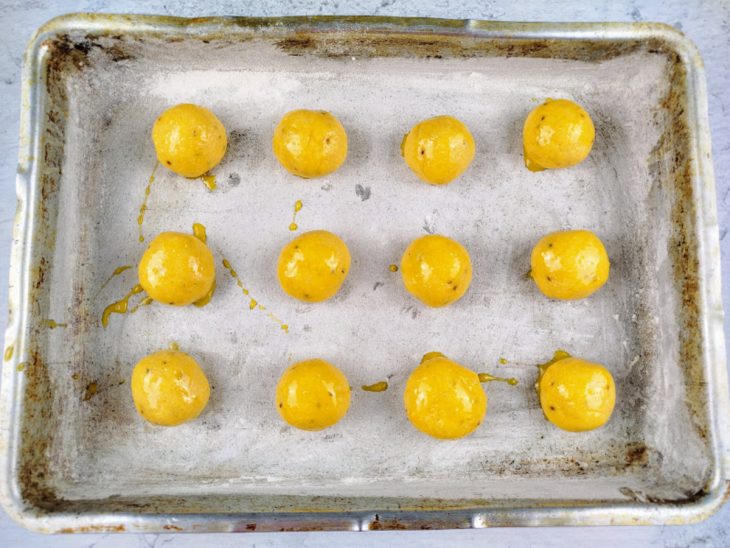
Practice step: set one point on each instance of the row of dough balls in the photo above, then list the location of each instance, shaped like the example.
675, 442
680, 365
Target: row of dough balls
179, 269
441, 397
190, 141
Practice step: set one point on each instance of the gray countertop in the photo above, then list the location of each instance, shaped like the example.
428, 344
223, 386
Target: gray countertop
706, 22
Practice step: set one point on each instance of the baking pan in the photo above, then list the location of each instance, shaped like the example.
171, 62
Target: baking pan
76, 457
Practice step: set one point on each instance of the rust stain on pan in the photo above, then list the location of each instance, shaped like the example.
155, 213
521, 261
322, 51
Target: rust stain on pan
72, 53
674, 144
637, 454
394, 522
386, 525
94, 529
387, 44
37, 425
34, 474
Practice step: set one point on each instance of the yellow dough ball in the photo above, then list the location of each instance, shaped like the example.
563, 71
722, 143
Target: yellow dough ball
558, 133
312, 395
189, 140
310, 143
169, 388
576, 395
439, 149
444, 399
177, 269
436, 270
571, 264
313, 266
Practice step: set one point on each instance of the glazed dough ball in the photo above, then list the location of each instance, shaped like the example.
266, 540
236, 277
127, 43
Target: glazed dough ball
313, 266
576, 395
310, 143
189, 140
169, 388
436, 270
558, 133
312, 395
439, 149
444, 399
177, 269
571, 264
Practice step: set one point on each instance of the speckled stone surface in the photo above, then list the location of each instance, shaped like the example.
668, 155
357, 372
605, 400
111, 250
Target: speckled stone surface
706, 22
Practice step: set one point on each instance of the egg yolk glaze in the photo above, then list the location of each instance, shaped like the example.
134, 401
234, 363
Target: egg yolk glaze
436, 270
189, 140
313, 266
310, 143
444, 399
169, 388
177, 269
439, 149
571, 264
558, 133
312, 395
576, 395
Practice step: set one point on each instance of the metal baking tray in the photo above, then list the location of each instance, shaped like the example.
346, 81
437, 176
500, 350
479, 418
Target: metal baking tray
75, 456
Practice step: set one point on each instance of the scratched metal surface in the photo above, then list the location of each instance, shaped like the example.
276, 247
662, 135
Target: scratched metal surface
83, 452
